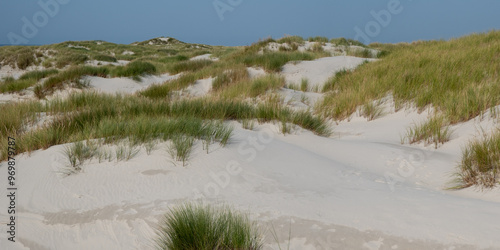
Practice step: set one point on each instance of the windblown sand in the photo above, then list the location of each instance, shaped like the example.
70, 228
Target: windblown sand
358, 189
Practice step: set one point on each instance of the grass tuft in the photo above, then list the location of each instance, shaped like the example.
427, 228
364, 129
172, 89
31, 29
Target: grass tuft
480, 164
372, 111
276, 60
304, 85
180, 148
204, 227
135, 68
78, 153
190, 66
458, 77
434, 131
104, 58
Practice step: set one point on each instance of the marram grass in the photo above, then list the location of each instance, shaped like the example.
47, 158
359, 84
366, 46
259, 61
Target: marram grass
207, 227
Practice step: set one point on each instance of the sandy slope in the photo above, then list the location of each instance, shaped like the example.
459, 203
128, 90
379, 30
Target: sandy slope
318, 71
204, 57
126, 85
358, 189
336, 186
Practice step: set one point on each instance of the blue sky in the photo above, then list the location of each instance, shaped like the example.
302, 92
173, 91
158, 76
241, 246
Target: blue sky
241, 22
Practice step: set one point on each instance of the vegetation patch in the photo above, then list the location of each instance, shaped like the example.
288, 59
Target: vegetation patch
195, 226
71, 59
276, 60
135, 68
434, 131
191, 65
104, 58
480, 164
458, 77
253, 88
71, 75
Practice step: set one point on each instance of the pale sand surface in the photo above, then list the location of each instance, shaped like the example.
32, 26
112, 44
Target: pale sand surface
204, 57
127, 85
334, 193
318, 71
337, 184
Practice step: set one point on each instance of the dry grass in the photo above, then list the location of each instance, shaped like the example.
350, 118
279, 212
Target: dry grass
480, 164
458, 77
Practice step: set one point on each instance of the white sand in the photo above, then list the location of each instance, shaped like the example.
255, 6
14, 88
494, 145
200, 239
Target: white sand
255, 72
8, 71
298, 99
204, 57
199, 88
334, 190
126, 85
358, 189
97, 63
318, 71
333, 49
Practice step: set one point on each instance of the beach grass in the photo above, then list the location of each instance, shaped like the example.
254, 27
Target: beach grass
28, 79
274, 61
291, 39
190, 66
197, 226
253, 88
458, 78
68, 76
135, 68
480, 164
433, 131
319, 39
90, 115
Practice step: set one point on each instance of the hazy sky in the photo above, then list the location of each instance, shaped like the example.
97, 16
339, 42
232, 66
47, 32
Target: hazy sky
241, 22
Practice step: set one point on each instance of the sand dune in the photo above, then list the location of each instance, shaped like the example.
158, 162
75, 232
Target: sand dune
358, 189
337, 183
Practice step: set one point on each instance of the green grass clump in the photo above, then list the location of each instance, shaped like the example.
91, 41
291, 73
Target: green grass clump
135, 68
291, 40
104, 58
304, 85
37, 75
434, 131
163, 91
25, 59
204, 227
17, 56
253, 88
180, 148
319, 39
27, 80
263, 84
89, 115
191, 65
230, 77
71, 75
256, 47
71, 59
173, 59
16, 86
363, 53
346, 42
372, 111
317, 47
306, 120
330, 83
480, 164
458, 77
78, 153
